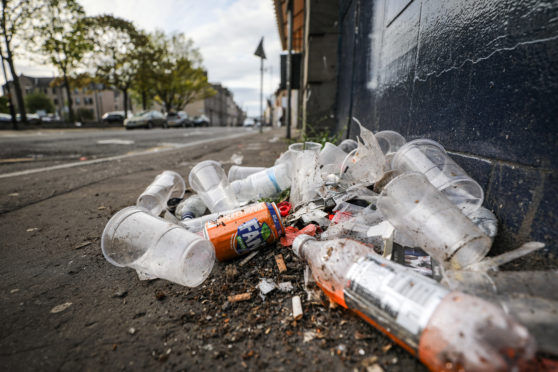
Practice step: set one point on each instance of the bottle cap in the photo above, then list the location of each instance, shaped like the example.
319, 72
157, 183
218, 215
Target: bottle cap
299, 241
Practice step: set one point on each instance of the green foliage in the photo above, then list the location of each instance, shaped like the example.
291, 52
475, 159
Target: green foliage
116, 51
4, 105
320, 135
62, 36
283, 196
38, 101
177, 75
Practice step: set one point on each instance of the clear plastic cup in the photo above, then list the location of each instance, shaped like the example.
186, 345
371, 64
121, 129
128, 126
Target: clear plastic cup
209, 180
348, 145
416, 208
151, 245
306, 179
238, 173
263, 184
305, 146
390, 141
331, 154
154, 198
431, 159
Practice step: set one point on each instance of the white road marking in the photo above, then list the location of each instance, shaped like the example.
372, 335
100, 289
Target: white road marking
114, 141
118, 157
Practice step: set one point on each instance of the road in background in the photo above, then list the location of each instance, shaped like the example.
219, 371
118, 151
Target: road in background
21, 151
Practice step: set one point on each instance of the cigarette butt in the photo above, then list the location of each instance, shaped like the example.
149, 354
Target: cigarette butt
297, 308
280, 263
239, 297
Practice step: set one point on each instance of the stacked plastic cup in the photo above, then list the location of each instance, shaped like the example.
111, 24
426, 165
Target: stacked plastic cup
416, 208
154, 198
431, 159
209, 180
134, 238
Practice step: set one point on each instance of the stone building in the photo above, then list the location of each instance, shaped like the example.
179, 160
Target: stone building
221, 109
89, 103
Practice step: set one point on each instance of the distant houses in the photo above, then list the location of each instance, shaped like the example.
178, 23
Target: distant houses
91, 102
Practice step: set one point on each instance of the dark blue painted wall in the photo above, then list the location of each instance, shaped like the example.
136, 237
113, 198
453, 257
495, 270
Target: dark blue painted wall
480, 77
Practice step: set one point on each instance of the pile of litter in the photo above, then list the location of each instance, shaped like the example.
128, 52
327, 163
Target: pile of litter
392, 230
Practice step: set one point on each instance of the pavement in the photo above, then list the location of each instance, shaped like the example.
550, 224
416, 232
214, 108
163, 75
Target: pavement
64, 307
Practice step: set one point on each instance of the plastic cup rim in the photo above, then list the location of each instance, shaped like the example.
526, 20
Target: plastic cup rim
304, 143
110, 225
191, 246
406, 147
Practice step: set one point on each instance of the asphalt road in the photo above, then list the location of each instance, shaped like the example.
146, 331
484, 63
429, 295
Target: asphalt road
43, 148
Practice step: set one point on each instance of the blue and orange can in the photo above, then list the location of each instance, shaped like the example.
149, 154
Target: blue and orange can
244, 230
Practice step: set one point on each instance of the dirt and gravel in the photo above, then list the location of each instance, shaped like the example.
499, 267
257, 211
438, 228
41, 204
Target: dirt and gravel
64, 307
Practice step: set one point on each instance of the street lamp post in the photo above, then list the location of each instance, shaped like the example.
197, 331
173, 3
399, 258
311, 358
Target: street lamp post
260, 53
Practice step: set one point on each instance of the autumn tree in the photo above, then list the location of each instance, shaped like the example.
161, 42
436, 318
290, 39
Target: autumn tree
117, 52
14, 21
62, 30
178, 77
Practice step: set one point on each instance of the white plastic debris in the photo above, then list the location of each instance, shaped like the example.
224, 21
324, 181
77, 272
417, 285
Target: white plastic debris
285, 287
266, 286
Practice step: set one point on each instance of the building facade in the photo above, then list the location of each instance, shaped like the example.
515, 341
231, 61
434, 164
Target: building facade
221, 109
89, 103
478, 77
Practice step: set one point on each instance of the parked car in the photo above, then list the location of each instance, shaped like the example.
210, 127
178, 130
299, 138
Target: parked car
115, 117
201, 121
249, 122
51, 118
5, 118
146, 119
178, 119
31, 118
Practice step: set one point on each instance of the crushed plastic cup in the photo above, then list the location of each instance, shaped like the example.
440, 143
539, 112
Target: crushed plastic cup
431, 159
416, 208
209, 180
331, 154
154, 198
348, 145
237, 172
153, 246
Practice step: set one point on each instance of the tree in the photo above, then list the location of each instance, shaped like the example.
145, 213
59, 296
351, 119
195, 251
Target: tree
14, 20
116, 58
64, 40
147, 55
4, 105
38, 101
177, 76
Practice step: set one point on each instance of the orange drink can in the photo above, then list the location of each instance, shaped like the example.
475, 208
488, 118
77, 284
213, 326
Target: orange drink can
244, 230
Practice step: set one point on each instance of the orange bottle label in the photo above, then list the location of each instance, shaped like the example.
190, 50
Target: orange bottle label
244, 230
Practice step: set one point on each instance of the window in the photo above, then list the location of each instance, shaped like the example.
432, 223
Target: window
77, 100
55, 101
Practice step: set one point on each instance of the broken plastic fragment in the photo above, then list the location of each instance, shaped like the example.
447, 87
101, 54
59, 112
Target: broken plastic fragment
492, 263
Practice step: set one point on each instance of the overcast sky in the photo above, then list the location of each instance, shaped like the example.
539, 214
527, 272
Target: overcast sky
227, 33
